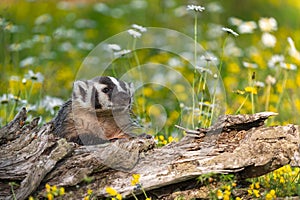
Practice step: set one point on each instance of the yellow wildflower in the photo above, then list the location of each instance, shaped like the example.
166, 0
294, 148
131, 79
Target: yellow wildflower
219, 194
136, 179
61, 191
227, 187
154, 111
238, 198
86, 198
272, 192
256, 193
111, 191
141, 101
30, 198
251, 186
233, 184
48, 187
148, 198
269, 196
227, 192
50, 196
148, 91
119, 197
89, 191
54, 188
250, 192
252, 90
233, 67
257, 186
161, 137
170, 139
282, 179
226, 197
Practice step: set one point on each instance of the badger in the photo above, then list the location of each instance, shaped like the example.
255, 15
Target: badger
99, 111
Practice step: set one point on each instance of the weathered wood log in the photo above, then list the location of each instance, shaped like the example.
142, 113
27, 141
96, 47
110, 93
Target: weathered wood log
32, 156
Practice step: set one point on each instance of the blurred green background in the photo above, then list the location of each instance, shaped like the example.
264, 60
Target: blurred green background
43, 44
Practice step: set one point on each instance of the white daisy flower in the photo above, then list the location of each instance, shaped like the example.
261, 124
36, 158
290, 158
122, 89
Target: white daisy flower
288, 66
85, 23
293, 51
232, 50
205, 103
208, 58
247, 27
85, 45
24, 81
139, 28
204, 70
275, 60
41, 38
43, 19
267, 24
134, 33
230, 31
15, 47
38, 77
114, 47
268, 40
51, 103
270, 80
5, 98
27, 61
259, 84
235, 21
122, 53
250, 65
181, 105
195, 8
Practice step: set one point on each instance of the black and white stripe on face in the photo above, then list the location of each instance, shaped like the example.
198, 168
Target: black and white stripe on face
80, 91
114, 85
95, 98
124, 90
102, 92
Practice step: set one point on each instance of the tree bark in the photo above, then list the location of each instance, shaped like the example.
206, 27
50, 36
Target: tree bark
32, 156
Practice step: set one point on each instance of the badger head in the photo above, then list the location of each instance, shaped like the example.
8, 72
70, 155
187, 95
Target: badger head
104, 92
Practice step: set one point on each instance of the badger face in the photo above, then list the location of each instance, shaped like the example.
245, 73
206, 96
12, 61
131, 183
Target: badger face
105, 92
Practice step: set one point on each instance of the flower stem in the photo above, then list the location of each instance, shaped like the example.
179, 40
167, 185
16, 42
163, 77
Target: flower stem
239, 109
285, 78
144, 193
215, 87
202, 89
195, 71
134, 196
252, 92
136, 58
268, 97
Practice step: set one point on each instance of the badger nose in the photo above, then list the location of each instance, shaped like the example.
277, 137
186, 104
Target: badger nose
121, 99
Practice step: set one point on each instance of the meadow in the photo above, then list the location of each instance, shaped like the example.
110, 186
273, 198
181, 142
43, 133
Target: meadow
248, 62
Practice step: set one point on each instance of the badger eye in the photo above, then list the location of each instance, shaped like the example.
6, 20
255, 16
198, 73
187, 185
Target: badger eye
105, 90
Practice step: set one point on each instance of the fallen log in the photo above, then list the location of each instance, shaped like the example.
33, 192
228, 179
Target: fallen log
32, 156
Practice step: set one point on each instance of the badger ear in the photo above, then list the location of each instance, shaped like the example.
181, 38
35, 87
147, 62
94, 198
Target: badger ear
80, 91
